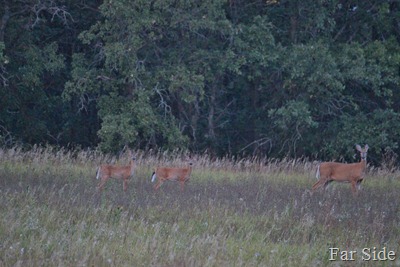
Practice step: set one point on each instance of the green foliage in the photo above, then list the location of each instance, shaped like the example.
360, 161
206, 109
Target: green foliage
228, 77
292, 121
296, 113
83, 78
38, 42
380, 128
134, 122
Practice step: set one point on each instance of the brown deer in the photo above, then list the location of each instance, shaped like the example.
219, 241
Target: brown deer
163, 174
105, 172
340, 172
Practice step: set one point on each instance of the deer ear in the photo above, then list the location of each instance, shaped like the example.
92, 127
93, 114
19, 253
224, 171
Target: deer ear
358, 148
366, 147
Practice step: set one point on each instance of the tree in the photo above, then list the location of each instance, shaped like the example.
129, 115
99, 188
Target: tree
37, 38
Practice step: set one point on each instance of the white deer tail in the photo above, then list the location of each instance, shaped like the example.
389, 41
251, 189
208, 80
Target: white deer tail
317, 175
98, 173
153, 177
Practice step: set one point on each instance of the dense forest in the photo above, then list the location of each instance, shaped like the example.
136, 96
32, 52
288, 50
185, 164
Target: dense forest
273, 78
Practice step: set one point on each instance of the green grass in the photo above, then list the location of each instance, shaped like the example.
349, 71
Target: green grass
252, 212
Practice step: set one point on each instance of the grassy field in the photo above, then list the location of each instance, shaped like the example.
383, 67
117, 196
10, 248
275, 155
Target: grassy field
252, 212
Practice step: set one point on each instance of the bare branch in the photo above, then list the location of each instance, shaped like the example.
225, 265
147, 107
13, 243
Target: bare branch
6, 136
50, 7
55, 138
258, 143
163, 104
84, 102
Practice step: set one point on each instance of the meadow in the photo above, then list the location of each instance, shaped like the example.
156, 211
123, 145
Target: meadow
248, 212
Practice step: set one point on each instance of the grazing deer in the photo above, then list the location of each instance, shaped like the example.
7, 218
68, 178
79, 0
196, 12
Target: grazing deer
340, 172
163, 174
105, 172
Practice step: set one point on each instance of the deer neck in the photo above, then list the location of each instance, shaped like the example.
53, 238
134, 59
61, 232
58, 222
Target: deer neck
363, 164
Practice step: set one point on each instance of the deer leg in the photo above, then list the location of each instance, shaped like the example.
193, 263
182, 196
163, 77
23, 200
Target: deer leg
359, 184
157, 185
101, 184
354, 187
182, 185
318, 184
125, 184
327, 183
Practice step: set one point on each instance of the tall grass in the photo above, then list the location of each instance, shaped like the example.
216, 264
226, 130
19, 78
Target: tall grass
245, 212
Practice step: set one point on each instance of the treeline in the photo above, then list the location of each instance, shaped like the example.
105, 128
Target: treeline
275, 78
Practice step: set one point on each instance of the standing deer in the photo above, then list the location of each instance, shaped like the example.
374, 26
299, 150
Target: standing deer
105, 172
163, 174
340, 172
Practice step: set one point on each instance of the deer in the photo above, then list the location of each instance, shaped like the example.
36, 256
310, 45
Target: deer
162, 174
105, 172
353, 173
